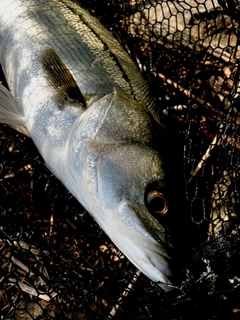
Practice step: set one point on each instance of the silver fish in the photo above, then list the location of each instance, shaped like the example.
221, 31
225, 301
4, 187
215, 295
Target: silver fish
79, 96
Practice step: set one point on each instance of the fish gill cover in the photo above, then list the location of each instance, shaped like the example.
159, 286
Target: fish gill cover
56, 263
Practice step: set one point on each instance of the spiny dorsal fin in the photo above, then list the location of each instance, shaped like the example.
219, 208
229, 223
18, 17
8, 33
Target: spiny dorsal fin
61, 77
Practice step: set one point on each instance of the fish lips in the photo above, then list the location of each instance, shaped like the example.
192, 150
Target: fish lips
146, 253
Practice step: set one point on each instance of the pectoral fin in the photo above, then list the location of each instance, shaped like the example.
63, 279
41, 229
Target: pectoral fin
61, 77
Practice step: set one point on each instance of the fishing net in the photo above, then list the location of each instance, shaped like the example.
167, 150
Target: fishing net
56, 263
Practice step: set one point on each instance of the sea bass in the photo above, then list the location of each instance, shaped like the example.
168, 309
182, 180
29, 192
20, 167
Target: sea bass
78, 95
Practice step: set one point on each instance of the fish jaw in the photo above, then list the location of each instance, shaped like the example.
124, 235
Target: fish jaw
132, 237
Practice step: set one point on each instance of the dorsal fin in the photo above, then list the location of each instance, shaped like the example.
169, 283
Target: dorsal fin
61, 77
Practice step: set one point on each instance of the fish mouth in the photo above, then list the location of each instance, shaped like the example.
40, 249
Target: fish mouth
135, 241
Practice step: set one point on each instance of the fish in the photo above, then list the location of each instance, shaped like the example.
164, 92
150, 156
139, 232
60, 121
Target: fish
75, 91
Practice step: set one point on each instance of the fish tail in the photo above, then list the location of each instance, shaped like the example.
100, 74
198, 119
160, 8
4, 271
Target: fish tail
9, 112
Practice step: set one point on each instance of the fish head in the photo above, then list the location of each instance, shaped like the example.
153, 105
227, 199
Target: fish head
132, 196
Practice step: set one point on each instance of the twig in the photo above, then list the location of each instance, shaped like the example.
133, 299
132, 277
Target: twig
182, 90
124, 294
204, 158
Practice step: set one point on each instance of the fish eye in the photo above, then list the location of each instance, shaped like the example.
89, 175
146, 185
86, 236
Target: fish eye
156, 202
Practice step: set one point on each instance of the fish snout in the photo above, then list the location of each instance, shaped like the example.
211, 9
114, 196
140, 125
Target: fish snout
133, 238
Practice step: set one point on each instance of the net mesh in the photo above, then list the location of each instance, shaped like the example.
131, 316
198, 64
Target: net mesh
56, 263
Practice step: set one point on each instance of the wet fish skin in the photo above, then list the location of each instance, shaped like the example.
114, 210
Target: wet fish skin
81, 99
